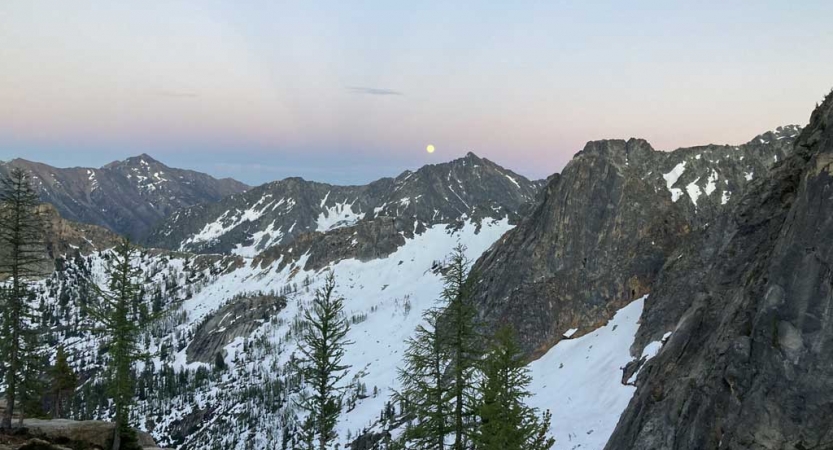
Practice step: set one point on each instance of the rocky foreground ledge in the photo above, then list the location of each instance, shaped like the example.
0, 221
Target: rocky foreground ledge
63, 434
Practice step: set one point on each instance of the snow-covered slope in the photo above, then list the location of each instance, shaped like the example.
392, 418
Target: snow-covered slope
246, 403
580, 382
385, 298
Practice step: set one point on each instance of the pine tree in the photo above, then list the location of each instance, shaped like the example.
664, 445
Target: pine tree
121, 330
322, 343
423, 388
21, 254
459, 328
506, 422
64, 382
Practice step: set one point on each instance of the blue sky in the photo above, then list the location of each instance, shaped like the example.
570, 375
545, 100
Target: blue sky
348, 92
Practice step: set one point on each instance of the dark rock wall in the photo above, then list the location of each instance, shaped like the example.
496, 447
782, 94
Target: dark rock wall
749, 364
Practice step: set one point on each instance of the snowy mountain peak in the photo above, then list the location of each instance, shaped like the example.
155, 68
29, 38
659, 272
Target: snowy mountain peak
278, 212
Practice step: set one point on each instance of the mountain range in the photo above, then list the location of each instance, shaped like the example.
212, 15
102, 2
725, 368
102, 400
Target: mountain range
128, 197
275, 213
672, 300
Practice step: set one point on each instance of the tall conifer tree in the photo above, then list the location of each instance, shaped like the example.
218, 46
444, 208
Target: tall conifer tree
64, 381
441, 363
21, 256
322, 343
423, 389
463, 343
506, 422
121, 328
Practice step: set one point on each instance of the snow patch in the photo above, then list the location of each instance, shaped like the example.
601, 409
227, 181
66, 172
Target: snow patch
228, 221
671, 178
512, 180
337, 216
693, 191
711, 183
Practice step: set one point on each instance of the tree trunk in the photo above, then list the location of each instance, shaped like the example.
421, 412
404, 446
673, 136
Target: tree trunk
117, 437
6, 424
56, 407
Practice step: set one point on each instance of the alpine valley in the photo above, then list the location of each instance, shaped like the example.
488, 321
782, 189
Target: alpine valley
664, 299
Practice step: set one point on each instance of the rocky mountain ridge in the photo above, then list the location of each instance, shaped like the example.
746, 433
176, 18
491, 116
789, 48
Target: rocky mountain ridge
469, 188
127, 197
605, 226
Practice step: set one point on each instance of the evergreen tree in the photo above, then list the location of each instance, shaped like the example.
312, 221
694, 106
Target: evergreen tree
463, 342
64, 382
423, 388
21, 254
31, 387
506, 422
322, 343
121, 330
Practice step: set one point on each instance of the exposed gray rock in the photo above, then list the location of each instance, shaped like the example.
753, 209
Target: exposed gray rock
90, 432
64, 238
749, 362
238, 318
603, 229
369, 239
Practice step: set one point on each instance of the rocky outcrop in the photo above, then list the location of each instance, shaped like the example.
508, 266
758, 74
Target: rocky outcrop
63, 434
604, 228
469, 188
748, 364
62, 238
239, 318
127, 197
369, 239
65, 237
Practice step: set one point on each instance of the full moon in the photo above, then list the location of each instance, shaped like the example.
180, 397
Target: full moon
430, 148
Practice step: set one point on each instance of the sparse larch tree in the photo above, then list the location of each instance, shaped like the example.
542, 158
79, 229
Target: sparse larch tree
506, 422
21, 257
322, 343
121, 329
64, 381
463, 343
423, 388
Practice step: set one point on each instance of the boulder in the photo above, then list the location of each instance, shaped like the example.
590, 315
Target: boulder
93, 432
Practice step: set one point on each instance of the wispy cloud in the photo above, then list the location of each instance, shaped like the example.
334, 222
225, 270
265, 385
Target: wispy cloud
372, 91
175, 94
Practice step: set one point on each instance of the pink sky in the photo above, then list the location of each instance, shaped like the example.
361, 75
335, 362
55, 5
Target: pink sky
351, 93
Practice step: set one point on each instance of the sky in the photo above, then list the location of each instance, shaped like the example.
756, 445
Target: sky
348, 92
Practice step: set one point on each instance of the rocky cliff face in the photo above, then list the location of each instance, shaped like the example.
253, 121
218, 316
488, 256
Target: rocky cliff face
748, 364
63, 238
603, 229
239, 318
129, 196
276, 213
